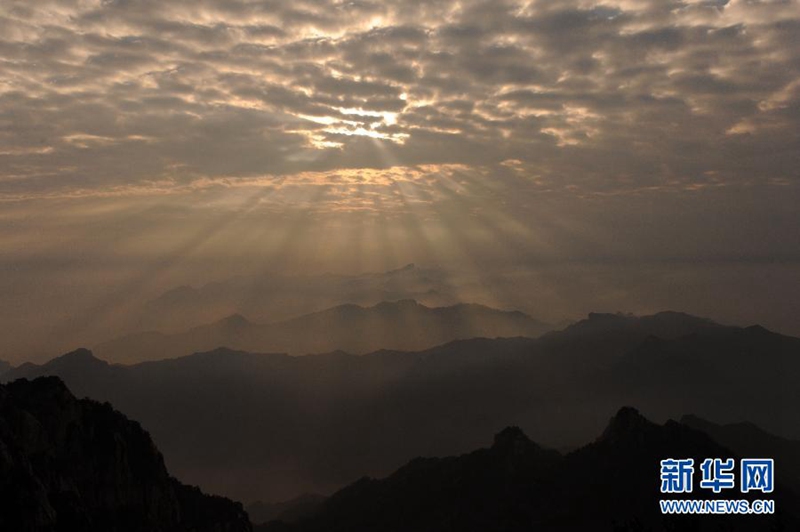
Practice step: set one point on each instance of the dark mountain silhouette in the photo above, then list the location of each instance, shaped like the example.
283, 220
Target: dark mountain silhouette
611, 484
4, 366
666, 324
402, 325
726, 375
80, 466
747, 439
289, 511
268, 427
602, 337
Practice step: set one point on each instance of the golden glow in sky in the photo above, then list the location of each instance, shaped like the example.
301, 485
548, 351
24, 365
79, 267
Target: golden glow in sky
140, 138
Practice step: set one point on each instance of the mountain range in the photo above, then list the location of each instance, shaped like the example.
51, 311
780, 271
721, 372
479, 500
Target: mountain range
748, 439
72, 465
271, 297
271, 426
516, 485
401, 325
69, 465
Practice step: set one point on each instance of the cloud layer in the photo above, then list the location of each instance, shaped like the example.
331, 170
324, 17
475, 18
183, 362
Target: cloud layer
601, 97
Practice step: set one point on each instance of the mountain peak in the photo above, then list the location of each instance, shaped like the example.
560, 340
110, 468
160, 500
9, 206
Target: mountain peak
400, 303
42, 389
628, 414
407, 268
758, 329
80, 357
600, 322
665, 324
235, 320
609, 317
512, 440
625, 423
81, 353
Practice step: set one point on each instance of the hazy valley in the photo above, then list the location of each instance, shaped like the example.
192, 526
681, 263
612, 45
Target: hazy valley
272, 426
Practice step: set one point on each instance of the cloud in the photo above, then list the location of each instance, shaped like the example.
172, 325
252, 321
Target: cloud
97, 94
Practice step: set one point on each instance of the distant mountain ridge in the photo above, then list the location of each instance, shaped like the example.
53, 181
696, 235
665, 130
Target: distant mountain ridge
276, 297
228, 420
400, 325
666, 324
609, 334
4, 366
518, 486
78, 465
747, 439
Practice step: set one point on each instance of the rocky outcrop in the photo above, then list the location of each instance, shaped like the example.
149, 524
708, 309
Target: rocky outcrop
78, 465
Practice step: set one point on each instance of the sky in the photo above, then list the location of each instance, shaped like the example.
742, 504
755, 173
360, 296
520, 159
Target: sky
570, 156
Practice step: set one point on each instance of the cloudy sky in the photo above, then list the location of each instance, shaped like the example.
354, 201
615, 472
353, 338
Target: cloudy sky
645, 153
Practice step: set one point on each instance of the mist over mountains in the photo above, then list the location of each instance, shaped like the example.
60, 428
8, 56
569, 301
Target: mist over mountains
401, 325
270, 426
77, 465
277, 297
553, 293
93, 316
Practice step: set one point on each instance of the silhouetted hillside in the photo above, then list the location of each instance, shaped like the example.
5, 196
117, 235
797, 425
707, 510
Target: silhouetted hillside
4, 366
77, 465
727, 375
269, 427
403, 325
746, 439
666, 324
601, 338
611, 484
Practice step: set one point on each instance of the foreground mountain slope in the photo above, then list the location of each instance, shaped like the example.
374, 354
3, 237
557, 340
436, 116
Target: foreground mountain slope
77, 465
401, 325
269, 427
516, 485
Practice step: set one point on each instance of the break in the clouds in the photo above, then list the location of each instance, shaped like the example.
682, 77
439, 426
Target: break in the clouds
570, 156
128, 96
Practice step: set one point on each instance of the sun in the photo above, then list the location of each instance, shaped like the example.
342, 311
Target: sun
364, 123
